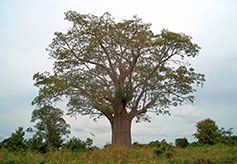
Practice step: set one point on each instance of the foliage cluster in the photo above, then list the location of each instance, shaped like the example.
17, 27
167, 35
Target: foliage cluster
164, 149
17, 143
75, 144
50, 126
181, 142
209, 133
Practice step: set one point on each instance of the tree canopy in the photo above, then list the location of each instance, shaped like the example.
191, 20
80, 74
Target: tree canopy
209, 133
50, 126
118, 70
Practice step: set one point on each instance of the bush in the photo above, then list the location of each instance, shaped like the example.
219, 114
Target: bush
36, 144
197, 144
75, 144
164, 149
154, 143
16, 141
232, 140
181, 142
136, 144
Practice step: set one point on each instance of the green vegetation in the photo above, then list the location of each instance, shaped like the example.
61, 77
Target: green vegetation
50, 126
75, 144
209, 133
119, 70
181, 142
16, 149
16, 141
217, 154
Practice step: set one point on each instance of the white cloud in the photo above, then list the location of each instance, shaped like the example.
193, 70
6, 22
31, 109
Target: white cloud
180, 124
188, 113
83, 127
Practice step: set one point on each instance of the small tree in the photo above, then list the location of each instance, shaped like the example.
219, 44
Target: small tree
209, 133
16, 141
181, 142
50, 126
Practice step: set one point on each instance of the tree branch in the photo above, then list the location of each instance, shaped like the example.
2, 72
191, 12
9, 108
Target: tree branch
113, 78
133, 113
104, 111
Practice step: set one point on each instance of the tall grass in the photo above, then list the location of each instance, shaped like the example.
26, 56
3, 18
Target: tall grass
218, 154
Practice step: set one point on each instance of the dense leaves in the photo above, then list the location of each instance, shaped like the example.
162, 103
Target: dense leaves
164, 149
75, 144
39, 143
16, 141
99, 61
181, 142
120, 70
209, 133
36, 143
50, 126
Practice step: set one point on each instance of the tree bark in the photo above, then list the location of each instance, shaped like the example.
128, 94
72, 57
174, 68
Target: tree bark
121, 130
49, 137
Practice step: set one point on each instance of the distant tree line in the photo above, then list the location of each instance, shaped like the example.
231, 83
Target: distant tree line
17, 142
48, 133
207, 133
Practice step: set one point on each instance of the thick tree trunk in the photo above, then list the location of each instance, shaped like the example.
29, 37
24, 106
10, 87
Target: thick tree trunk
121, 130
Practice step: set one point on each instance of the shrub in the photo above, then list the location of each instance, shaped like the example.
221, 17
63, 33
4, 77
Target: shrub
136, 144
196, 144
16, 141
154, 143
232, 140
181, 142
164, 149
75, 144
36, 144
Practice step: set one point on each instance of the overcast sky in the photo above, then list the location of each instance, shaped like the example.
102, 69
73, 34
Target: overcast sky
27, 28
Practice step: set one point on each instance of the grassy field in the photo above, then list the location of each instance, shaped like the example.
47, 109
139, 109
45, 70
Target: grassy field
218, 154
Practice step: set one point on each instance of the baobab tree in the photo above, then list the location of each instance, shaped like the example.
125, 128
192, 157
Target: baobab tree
120, 70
